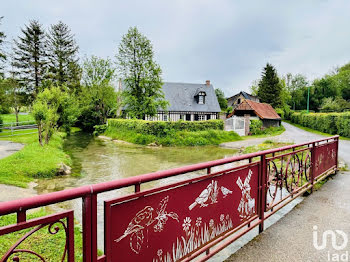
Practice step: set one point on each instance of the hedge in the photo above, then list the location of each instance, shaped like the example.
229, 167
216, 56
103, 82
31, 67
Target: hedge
332, 123
162, 128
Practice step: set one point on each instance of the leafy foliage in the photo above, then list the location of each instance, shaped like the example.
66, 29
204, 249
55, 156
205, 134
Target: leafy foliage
178, 133
62, 55
51, 109
221, 98
270, 88
332, 123
143, 93
98, 99
256, 128
30, 56
162, 128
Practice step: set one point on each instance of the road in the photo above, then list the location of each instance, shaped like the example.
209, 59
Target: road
292, 237
8, 148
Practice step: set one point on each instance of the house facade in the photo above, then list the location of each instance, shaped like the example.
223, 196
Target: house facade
262, 111
237, 99
188, 102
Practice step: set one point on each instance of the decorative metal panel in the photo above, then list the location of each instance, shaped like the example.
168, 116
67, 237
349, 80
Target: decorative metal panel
172, 224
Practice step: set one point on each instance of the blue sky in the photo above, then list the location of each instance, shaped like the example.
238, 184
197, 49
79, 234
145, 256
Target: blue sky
227, 42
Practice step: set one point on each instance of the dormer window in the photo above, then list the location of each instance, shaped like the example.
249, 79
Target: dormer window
201, 98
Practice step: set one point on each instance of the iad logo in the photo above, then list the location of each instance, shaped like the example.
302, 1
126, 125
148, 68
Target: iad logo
338, 245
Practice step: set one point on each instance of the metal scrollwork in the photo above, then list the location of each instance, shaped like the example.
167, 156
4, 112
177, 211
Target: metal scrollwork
51, 229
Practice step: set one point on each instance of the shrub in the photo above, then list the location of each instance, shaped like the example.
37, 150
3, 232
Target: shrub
332, 123
162, 128
99, 129
255, 127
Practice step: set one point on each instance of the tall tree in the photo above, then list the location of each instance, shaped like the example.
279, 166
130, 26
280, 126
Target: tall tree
98, 97
62, 55
2, 52
295, 85
221, 98
270, 88
143, 93
30, 56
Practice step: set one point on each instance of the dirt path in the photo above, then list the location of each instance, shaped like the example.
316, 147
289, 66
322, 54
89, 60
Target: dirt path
8, 193
8, 148
291, 238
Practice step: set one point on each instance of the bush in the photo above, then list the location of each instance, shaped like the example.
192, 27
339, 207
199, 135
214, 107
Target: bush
332, 123
99, 129
256, 127
164, 128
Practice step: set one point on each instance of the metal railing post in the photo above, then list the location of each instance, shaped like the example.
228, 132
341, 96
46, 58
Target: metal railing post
336, 153
90, 228
262, 186
313, 163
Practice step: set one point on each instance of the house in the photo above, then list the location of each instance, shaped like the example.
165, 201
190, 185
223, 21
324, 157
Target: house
237, 99
264, 112
188, 102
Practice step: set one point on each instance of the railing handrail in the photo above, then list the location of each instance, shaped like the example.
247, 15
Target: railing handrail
69, 194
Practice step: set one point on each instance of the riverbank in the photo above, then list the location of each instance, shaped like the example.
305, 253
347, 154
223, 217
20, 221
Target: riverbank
33, 161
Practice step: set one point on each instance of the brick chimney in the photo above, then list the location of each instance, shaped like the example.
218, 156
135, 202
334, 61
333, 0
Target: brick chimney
207, 82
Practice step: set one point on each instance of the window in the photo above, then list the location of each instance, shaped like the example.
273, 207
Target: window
201, 100
165, 117
188, 117
238, 101
201, 117
182, 117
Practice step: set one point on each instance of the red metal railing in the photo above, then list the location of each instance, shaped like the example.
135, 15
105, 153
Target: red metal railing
181, 220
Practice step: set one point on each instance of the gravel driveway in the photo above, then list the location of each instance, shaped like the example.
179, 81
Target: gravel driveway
8, 148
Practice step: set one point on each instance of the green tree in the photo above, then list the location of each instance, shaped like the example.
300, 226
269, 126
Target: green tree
295, 84
2, 52
30, 56
143, 93
98, 98
269, 87
62, 55
221, 98
53, 108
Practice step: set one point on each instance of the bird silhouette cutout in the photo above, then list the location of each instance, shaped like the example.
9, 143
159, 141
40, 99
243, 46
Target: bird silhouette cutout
225, 191
209, 193
135, 228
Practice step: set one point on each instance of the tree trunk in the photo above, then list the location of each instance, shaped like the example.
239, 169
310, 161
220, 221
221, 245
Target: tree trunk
40, 133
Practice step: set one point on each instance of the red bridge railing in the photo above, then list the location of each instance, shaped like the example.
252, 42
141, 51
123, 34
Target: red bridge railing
197, 216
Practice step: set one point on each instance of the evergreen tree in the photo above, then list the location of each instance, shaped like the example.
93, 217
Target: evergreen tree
2, 52
62, 51
143, 93
270, 88
30, 56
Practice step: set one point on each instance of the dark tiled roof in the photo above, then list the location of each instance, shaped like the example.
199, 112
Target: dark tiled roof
264, 111
244, 94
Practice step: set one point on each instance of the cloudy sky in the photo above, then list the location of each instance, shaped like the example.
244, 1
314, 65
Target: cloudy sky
225, 41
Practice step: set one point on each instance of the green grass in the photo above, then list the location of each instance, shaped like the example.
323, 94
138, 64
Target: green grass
271, 131
33, 161
314, 131
268, 144
49, 246
8, 118
179, 138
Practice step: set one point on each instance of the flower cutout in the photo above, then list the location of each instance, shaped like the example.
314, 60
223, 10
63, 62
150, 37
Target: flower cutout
222, 216
211, 223
227, 217
159, 252
187, 223
198, 221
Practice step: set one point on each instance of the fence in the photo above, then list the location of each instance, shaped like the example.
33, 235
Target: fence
18, 128
236, 124
192, 218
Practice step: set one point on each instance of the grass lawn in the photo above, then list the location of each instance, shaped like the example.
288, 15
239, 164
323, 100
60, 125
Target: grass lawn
8, 118
267, 144
50, 246
33, 161
313, 130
